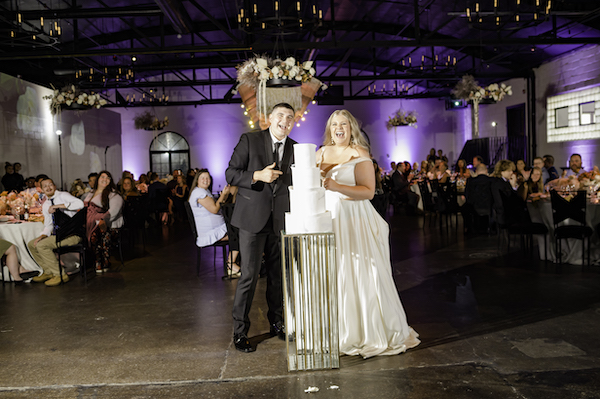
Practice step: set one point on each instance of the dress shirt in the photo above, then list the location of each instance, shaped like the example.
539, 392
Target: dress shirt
73, 204
282, 141
571, 173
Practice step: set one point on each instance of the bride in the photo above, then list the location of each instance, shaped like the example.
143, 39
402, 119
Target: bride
371, 317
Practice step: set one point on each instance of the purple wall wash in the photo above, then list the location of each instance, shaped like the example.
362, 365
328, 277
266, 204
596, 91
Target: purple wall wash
212, 132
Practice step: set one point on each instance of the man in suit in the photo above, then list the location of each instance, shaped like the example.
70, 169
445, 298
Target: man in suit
478, 195
260, 168
401, 189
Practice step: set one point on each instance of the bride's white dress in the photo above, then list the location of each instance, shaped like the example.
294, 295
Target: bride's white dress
371, 317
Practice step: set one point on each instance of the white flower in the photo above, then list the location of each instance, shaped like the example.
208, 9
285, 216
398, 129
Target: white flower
298, 77
290, 62
79, 100
60, 98
91, 100
275, 70
293, 72
102, 102
69, 102
307, 65
312, 71
264, 74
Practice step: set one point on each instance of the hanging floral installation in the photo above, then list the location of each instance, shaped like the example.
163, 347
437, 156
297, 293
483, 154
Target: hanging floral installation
73, 97
264, 82
402, 118
147, 121
468, 89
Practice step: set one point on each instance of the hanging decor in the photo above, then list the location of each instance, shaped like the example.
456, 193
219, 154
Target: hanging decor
402, 118
73, 98
468, 89
147, 121
264, 82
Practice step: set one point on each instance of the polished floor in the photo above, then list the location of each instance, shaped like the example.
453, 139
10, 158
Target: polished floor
492, 324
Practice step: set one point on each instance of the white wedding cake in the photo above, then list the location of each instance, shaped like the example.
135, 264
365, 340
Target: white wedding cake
307, 197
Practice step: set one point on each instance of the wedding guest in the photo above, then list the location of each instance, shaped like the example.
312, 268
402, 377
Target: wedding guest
104, 213
521, 171
42, 247
392, 168
401, 189
125, 174
19, 273
371, 317
259, 159
210, 224
92, 177
10, 180
477, 159
77, 188
479, 200
443, 175
461, 169
379, 199
549, 169
431, 157
19, 176
533, 188
189, 177
128, 189
30, 185
415, 168
181, 195
38, 187
501, 185
158, 196
575, 168
142, 184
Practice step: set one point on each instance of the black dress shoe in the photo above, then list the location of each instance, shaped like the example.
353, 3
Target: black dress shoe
279, 330
28, 275
242, 344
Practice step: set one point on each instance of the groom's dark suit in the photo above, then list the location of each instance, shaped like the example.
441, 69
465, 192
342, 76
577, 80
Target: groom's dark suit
259, 213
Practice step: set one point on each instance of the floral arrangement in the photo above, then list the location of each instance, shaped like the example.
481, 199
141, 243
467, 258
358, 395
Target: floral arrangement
402, 118
16, 202
148, 121
72, 95
262, 68
468, 89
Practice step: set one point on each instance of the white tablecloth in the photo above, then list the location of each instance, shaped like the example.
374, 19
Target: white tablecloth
541, 212
20, 234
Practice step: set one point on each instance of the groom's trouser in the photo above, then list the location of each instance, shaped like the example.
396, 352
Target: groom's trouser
252, 247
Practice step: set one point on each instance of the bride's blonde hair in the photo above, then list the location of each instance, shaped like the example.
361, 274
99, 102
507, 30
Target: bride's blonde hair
356, 136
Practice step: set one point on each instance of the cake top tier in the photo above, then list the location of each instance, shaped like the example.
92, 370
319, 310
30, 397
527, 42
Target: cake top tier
305, 155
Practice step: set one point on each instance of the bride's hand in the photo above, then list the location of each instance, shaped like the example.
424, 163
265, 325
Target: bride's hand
330, 184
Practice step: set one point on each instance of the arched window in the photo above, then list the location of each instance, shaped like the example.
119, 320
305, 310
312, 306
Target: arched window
169, 151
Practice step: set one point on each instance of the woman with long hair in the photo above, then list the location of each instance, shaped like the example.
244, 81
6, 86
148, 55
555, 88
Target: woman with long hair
104, 213
210, 224
533, 188
371, 317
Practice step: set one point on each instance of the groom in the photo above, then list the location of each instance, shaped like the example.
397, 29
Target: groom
260, 167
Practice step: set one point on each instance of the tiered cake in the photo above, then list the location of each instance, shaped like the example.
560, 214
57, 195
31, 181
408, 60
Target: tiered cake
307, 197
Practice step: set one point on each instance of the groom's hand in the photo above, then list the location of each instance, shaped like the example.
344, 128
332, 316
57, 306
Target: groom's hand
268, 175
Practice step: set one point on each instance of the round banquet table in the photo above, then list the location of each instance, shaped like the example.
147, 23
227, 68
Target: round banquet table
541, 212
20, 233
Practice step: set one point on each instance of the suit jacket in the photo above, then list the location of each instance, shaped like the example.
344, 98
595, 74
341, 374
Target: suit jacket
500, 187
255, 203
479, 194
400, 183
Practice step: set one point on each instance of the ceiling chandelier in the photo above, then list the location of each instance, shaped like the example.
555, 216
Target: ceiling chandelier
497, 13
39, 33
281, 22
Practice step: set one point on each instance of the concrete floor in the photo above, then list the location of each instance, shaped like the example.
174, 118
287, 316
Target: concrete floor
492, 325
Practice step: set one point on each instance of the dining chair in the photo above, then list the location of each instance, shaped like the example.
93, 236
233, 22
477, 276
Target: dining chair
223, 244
428, 204
447, 202
518, 222
73, 226
135, 213
573, 208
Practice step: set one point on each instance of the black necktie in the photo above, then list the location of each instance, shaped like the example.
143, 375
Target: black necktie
276, 155
54, 226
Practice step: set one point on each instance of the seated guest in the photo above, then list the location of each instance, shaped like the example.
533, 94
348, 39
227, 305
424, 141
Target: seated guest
431, 157
461, 169
19, 176
142, 184
476, 161
180, 195
549, 172
533, 188
125, 174
78, 188
575, 168
210, 224
104, 212
18, 272
379, 198
42, 247
538, 162
443, 175
522, 171
30, 185
478, 195
158, 194
38, 188
401, 189
92, 177
189, 177
128, 189
501, 185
